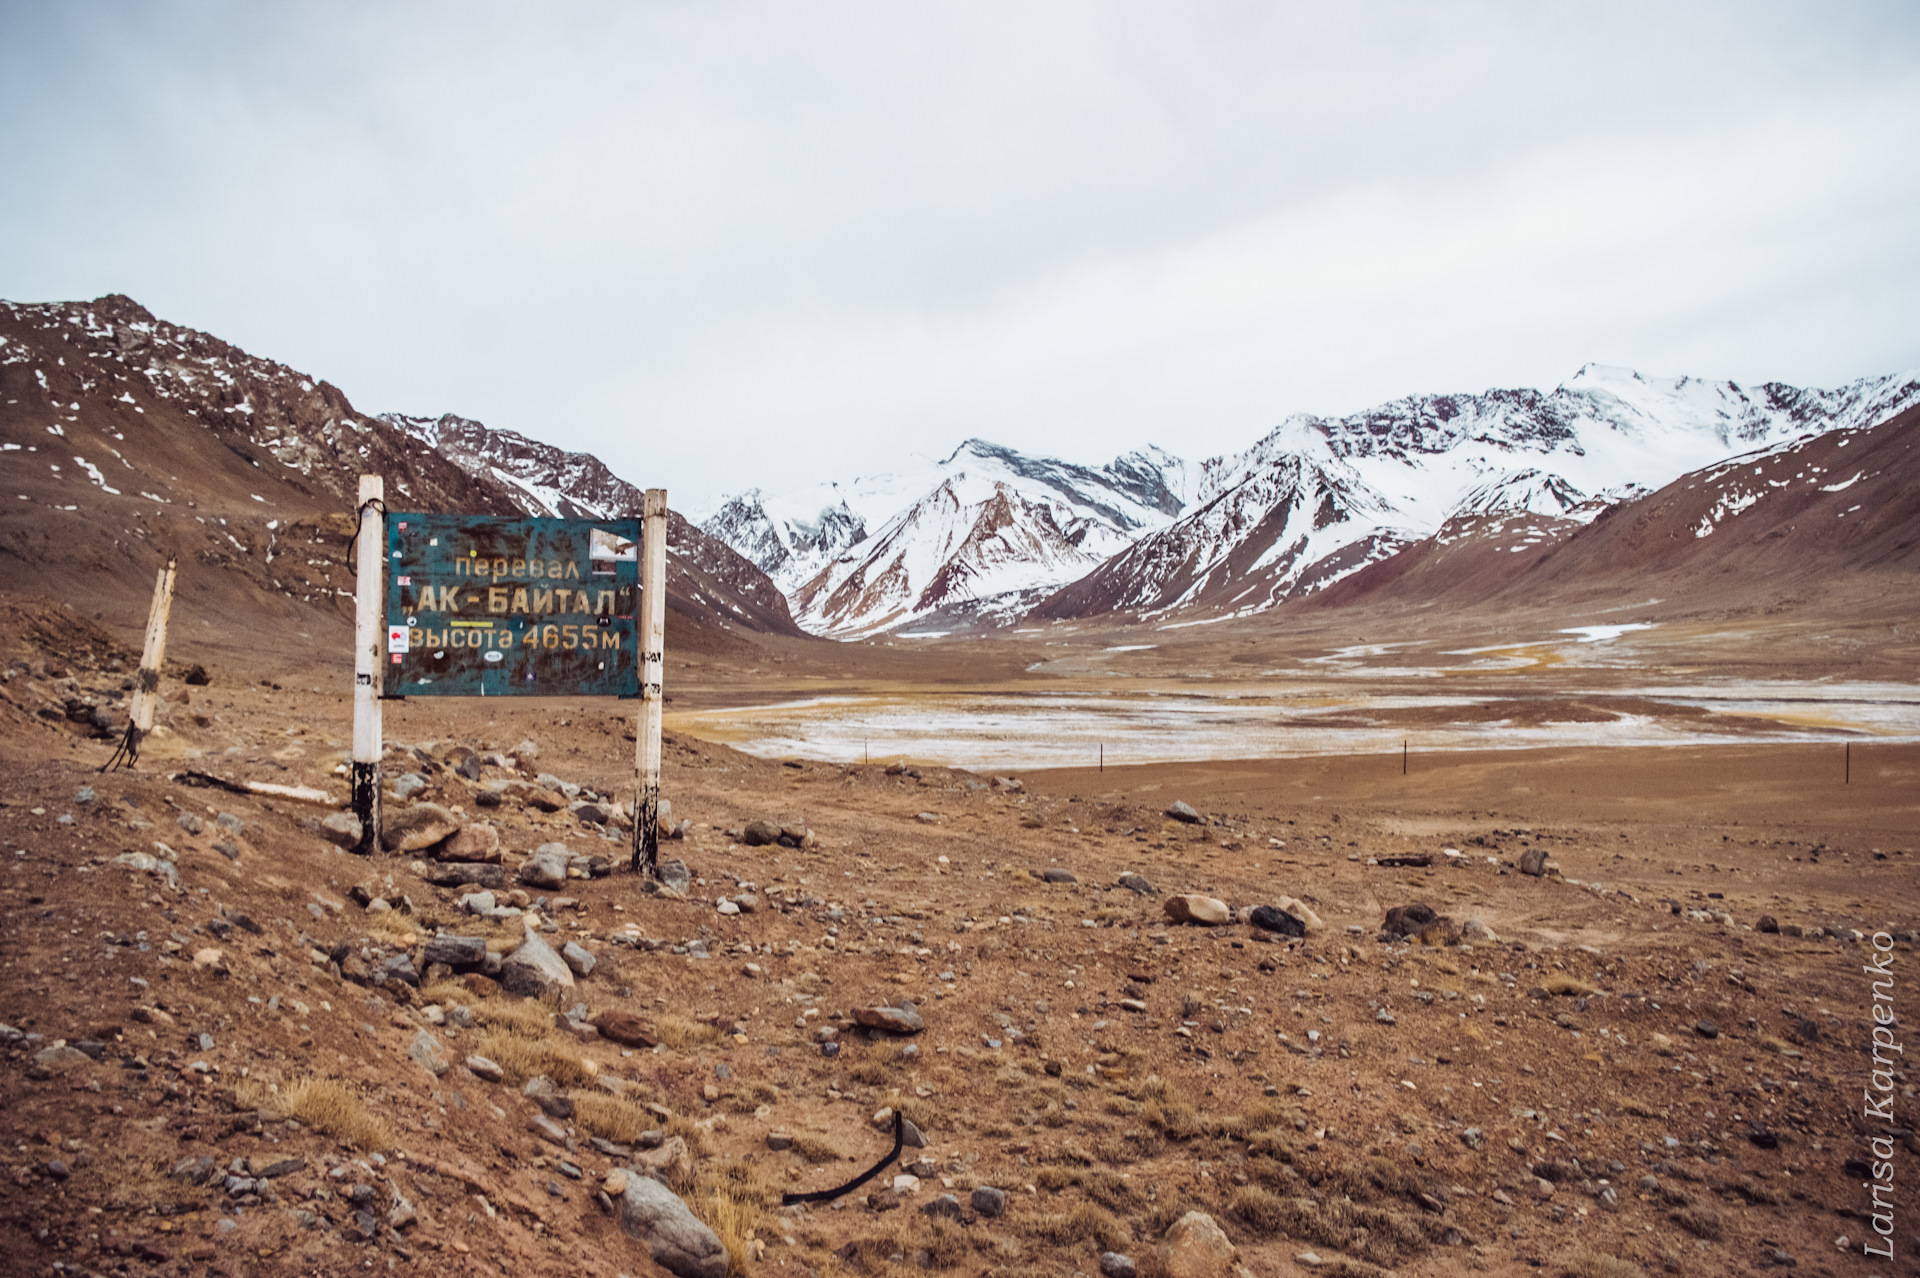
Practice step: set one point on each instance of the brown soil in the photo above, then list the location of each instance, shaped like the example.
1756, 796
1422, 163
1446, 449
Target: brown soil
1259, 1084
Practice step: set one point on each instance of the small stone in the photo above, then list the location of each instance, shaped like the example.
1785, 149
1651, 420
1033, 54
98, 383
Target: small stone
1115, 1265
457, 952
988, 1201
625, 1028
535, 971
478, 842
1136, 884
428, 1054
675, 876
1196, 1247
61, 1057
1270, 919
1206, 911
341, 829
1540, 1187
420, 826
1473, 1138
728, 907
190, 823
1706, 1029
760, 833
904, 1019
546, 867
1057, 874
482, 1068
1406, 920
673, 1235
1384, 1016
1533, 862
779, 1140
1184, 812
548, 1130
579, 958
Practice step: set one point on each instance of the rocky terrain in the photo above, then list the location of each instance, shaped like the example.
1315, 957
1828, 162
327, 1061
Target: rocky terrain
1569, 1010
1627, 1039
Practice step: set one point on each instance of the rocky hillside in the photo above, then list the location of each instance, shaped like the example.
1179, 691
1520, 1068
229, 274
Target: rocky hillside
1321, 498
125, 438
1781, 522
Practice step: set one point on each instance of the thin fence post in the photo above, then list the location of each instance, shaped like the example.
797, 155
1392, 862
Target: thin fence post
370, 563
653, 628
153, 656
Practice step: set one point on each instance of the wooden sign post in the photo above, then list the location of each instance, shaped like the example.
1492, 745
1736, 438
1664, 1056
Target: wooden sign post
153, 655
368, 598
653, 630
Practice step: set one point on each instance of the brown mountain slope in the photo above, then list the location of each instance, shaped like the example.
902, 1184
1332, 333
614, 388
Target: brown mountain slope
124, 438
1839, 511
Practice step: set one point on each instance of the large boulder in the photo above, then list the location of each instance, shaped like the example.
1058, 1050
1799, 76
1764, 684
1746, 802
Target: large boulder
1196, 1247
478, 842
673, 1235
547, 867
674, 875
419, 826
535, 971
1204, 910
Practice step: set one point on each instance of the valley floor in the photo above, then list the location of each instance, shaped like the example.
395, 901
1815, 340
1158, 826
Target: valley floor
1616, 1074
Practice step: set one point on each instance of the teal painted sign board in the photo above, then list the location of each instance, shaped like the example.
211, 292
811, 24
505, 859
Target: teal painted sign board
487, 607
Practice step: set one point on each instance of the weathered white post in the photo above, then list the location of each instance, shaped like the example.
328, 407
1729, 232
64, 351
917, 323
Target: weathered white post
369, 599
653, 631
153, 655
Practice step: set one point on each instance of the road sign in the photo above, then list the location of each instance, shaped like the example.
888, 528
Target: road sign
486, 607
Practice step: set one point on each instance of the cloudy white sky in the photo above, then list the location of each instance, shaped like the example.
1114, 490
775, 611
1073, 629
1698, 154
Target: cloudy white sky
730, 244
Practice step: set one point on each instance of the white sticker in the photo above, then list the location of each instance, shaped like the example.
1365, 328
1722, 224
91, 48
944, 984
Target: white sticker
494, 656
396, 639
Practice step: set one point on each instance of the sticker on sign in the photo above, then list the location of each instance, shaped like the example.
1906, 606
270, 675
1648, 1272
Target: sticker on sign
396, 639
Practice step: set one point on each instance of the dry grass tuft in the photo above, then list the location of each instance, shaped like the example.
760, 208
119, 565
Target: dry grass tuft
329, 1106
524, 1058
524, 1020
613, 1118
815, 1150
1081, 1226
1637, 1107
1572, 986
733, 1199
392, 925
447, 993
1592, 1264
680, 1034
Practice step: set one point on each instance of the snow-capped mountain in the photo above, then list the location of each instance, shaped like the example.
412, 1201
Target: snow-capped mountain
984, 531
1320, 498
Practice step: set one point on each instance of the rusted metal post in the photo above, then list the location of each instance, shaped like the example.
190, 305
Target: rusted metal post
653, 630
153, 655
369, 596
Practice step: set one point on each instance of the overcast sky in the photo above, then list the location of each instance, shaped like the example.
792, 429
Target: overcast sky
726, 245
